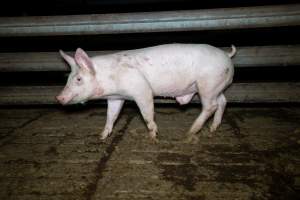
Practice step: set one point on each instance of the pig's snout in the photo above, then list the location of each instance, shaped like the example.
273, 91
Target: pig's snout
61, 99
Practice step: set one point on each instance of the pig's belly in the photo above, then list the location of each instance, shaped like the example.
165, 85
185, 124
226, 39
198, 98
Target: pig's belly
171, 83
173, 90
170, 80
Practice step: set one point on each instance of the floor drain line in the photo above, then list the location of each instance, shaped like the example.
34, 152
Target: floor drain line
101, 165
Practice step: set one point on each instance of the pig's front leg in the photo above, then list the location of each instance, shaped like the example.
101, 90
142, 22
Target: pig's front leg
146, 106
114, 107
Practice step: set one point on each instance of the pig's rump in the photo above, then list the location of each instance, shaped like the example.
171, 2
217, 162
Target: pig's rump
177, 70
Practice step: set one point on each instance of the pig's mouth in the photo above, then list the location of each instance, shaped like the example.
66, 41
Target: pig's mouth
72, 100
67, 101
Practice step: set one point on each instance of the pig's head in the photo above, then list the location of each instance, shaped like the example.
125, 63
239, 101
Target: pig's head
82, 83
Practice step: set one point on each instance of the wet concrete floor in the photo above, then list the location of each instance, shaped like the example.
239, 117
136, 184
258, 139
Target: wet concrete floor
56, 153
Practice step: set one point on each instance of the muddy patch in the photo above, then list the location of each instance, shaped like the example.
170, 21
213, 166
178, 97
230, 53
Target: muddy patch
178, 169
52, 151
281, 185
230, 120
21, 161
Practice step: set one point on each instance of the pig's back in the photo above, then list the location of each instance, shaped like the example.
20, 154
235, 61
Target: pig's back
173, 69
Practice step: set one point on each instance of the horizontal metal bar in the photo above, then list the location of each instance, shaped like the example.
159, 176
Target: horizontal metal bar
237, 92
246, 57
190, 20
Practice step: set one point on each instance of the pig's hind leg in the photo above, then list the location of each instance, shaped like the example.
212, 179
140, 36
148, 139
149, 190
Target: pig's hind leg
209, 93
213, 101
219, 112
114, 107
209, 106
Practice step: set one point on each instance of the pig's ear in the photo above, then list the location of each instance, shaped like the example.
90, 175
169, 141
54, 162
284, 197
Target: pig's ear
84, 61
68, 59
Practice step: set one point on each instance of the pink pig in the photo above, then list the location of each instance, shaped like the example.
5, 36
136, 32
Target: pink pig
171, 70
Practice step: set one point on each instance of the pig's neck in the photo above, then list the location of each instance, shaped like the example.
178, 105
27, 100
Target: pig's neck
104, 85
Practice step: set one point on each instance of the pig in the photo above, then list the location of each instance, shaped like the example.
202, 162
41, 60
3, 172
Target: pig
170, 70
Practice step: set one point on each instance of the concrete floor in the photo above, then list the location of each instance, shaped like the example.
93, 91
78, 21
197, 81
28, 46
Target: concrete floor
55, 153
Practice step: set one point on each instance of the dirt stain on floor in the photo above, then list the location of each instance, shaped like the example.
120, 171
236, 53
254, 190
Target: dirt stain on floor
177, 169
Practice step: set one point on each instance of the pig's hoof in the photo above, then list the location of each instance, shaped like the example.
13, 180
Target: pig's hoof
154, 140
192, 139
212, 129
104, 135
153, 137
210, 135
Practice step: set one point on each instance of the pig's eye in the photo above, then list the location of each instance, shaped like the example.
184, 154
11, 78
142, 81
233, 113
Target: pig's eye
78, 79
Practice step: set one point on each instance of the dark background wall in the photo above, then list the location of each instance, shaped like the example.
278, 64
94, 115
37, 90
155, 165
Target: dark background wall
245, 37
63, 7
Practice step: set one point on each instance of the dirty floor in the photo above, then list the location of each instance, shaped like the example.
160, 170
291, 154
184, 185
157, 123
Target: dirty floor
56, 153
